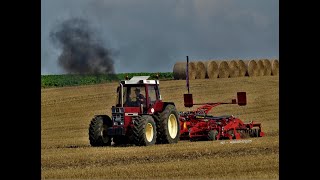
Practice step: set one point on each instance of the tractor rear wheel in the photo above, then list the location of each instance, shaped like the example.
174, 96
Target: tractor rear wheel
212, 135
98, 131
168, 125
144, 131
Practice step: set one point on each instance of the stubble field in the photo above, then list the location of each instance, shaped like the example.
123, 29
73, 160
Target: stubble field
66, 153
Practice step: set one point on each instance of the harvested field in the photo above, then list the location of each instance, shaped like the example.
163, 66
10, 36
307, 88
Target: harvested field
66, 154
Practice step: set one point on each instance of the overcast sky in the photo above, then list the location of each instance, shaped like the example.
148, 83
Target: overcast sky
150, 35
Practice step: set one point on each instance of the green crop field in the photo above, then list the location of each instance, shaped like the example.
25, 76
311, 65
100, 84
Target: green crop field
75, 80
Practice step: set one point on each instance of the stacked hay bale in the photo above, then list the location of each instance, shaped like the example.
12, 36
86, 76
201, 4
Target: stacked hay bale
275, 67
179, 70
200, 70
212, 70
260, 66
234, 70
252, 68
267, 67
242, 68
223, 68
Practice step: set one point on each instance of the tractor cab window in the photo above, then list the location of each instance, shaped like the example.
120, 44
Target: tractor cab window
152, 94
134, 96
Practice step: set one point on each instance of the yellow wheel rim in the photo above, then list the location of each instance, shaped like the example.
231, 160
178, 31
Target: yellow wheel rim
149, 132
172, 126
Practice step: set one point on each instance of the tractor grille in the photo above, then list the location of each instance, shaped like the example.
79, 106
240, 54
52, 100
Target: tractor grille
117, 110
117, 116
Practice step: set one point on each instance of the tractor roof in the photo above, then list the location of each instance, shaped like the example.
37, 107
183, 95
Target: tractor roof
140, 80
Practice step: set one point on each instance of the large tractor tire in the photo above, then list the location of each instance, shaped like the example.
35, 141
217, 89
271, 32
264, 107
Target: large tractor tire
144, 131
98, 131
168, 125
212, 135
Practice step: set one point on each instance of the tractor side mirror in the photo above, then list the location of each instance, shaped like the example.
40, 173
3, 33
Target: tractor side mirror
188, 101
242, 98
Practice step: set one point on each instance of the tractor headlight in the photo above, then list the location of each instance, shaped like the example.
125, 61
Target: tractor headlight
184, 125
115, 123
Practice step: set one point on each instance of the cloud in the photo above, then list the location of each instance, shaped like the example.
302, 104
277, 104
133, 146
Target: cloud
151, 36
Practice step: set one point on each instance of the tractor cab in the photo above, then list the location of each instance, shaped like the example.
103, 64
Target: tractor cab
138, 94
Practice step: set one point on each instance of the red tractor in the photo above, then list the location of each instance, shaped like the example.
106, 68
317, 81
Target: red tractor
198, 125
139, 117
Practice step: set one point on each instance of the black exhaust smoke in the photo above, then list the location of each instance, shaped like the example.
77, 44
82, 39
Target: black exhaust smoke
82, 51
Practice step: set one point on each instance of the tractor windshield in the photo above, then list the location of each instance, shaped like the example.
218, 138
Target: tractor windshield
133, 96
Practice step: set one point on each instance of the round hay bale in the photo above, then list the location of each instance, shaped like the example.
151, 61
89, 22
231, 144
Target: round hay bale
252, 68
200, 70
267, 67
224, 70
192, 70
234, 69
275, 67
242, 68
212, 70
179, 70
261, 69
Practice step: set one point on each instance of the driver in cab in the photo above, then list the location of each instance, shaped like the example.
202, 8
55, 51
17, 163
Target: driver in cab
140, 99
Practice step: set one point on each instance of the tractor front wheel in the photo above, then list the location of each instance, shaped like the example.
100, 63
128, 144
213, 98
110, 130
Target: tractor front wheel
144, 131
168, 125
98, 131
